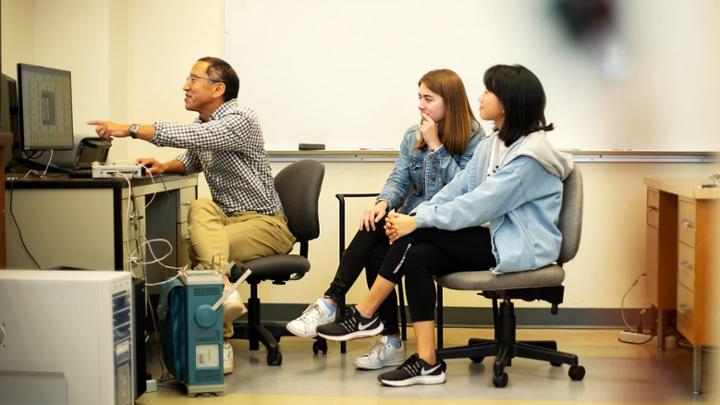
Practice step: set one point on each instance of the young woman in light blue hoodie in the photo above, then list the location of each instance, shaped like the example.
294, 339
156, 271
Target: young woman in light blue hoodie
499, 214
431, 154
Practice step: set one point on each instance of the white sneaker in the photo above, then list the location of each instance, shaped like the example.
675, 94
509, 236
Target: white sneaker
381, 354
233, 307
315, 315
228, 358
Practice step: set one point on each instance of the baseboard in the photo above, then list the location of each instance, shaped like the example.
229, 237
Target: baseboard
469, 317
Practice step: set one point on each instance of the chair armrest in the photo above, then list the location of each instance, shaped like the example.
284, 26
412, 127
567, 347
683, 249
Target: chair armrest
343, 196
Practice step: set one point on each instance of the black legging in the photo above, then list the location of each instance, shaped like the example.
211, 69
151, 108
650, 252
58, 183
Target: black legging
430, 251
367, 249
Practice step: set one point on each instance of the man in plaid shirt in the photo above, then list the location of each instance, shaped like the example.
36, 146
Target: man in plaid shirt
244, 220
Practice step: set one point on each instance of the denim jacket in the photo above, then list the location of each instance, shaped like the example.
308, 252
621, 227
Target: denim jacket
521, 202
418, 174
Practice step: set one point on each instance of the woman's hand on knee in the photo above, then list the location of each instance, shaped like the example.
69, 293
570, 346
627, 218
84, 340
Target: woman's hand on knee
399, 225
373, 215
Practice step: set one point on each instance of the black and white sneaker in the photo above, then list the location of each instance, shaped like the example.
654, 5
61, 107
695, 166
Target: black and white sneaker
353, 325
414, 371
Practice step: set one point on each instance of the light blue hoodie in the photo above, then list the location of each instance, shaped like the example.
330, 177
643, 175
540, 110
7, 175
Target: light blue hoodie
521, 202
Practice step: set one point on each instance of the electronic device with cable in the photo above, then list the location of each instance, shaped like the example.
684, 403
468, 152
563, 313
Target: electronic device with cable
106, 170
89, 150
191, 330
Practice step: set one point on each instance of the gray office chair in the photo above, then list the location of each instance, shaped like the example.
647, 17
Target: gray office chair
299, 188
542, 284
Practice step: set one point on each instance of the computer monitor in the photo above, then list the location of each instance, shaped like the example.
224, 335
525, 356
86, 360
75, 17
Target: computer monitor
45, 100
9, 114
8, 104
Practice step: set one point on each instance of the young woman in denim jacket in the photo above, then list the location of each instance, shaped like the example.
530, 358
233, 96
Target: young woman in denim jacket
431, 154
500, 213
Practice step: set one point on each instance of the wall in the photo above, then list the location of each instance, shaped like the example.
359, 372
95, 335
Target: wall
18, 34
612, 249
157, 71
352, 67
129, 60
83, 36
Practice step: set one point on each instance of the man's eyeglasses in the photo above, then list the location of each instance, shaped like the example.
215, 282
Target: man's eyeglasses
192, 79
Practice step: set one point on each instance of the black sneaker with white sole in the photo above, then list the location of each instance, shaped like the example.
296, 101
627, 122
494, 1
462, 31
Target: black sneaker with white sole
414, 371
353, 325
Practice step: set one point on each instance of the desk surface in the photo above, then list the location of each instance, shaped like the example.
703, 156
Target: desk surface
686, 187
17, 181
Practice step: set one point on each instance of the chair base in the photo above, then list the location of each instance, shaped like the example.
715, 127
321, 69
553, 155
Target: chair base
255, 332
267, 334
504, 347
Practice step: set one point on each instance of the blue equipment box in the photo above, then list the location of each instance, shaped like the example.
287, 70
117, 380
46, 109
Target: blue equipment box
191, 330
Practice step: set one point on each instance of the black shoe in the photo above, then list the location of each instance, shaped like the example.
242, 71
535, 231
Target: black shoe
414, 371
352, 326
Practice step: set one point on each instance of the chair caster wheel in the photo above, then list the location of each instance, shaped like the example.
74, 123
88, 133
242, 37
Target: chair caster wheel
320, 346
274, 359
576, 373
556, 363
477, 359
500, 380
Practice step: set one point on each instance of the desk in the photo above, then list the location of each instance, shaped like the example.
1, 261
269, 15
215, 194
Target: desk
682, 262
87, 223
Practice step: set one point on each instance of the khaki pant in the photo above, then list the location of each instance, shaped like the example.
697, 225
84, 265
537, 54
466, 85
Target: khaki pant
218, 238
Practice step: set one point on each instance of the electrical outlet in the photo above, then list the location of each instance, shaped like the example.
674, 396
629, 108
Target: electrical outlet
151, 385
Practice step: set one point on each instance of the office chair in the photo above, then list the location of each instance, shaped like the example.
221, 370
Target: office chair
543, 284
299, 188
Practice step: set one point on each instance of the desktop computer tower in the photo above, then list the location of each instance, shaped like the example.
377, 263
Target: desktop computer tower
67, 337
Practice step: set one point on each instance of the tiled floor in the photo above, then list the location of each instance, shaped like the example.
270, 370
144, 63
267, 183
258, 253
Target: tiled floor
616, 374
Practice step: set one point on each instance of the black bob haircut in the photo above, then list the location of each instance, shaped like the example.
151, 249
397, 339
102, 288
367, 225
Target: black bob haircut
220, 71
523, 98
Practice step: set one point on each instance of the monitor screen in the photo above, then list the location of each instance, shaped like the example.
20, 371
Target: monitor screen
45, 108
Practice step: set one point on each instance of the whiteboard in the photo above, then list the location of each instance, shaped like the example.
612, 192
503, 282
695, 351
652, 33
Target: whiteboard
344, 73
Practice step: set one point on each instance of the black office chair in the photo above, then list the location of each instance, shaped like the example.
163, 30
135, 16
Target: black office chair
299, 188
543, 284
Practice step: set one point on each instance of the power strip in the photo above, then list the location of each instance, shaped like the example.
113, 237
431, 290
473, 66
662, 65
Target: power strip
635, 337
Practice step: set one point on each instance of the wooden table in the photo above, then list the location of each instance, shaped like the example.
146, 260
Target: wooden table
682, 259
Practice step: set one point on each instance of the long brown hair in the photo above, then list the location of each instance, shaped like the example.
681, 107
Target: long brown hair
455, 128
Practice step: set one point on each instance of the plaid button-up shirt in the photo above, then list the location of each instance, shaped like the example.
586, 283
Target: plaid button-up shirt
229, 149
